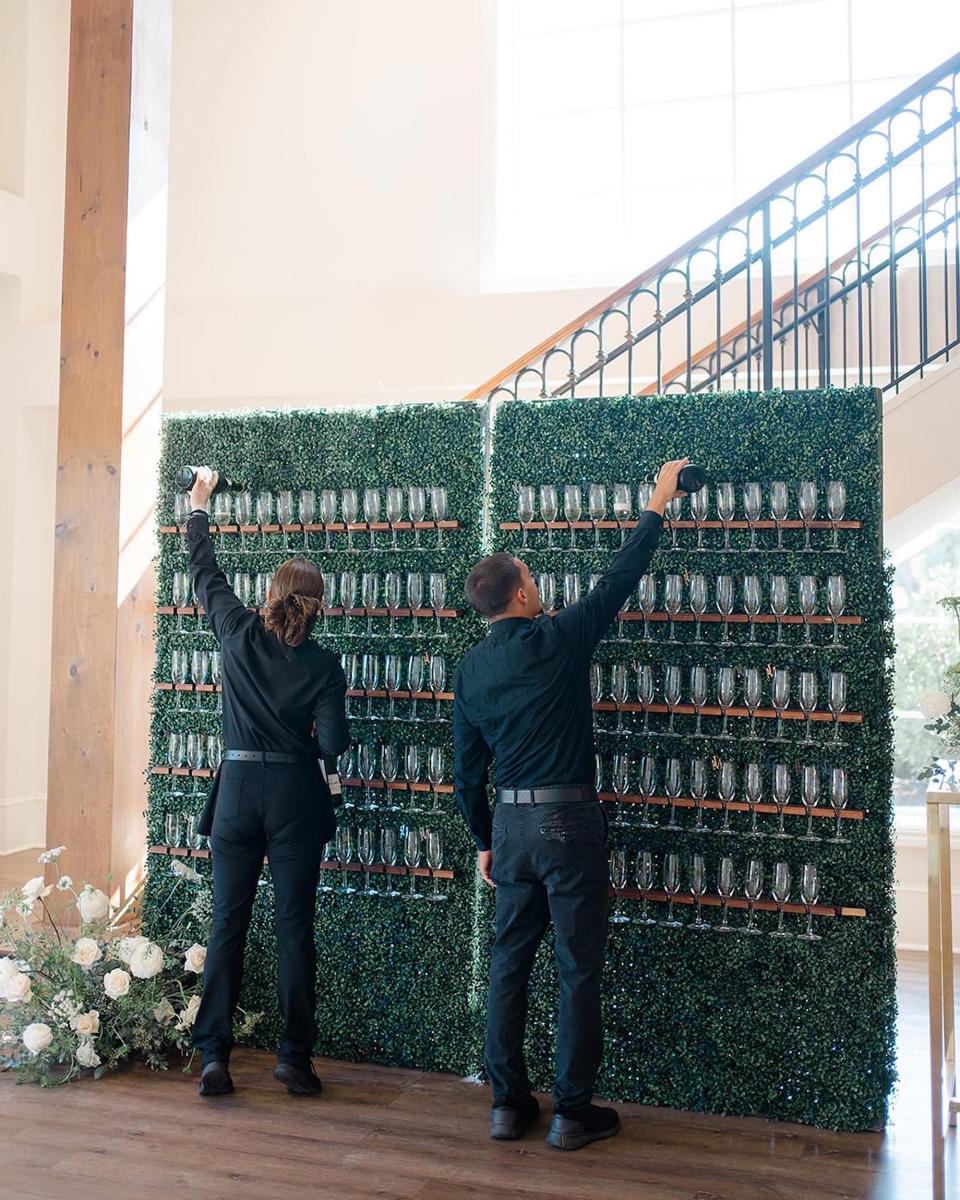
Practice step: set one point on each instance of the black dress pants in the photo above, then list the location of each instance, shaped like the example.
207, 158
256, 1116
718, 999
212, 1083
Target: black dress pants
549, 863
282, 810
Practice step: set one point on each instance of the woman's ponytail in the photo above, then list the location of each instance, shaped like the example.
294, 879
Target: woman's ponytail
296, 597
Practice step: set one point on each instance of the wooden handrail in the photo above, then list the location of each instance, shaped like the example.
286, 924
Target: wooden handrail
864, 125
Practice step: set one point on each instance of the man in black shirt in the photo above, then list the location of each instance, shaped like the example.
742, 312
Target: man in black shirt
522, 698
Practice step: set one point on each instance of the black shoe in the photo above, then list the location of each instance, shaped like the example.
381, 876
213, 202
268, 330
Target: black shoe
299, 1081
575, 1129
511, 1121
215, 1080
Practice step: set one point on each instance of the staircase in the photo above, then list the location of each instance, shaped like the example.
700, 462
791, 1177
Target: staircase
845, 270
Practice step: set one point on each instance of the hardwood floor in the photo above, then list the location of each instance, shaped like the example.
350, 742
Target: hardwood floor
393, 1134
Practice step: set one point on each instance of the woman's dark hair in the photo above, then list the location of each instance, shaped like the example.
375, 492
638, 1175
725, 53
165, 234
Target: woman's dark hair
492, 584
296, 597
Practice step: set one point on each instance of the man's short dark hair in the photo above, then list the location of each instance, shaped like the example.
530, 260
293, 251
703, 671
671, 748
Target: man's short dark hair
492, 584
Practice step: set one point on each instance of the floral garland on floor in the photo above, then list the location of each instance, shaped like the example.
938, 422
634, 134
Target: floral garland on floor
942, 710
81, 996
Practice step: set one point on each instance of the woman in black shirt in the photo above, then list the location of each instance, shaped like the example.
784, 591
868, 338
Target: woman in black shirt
283, 707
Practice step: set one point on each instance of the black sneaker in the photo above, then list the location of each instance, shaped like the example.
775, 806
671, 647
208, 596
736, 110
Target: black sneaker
299, 1081
511, 1121
574, 1129
215, 1080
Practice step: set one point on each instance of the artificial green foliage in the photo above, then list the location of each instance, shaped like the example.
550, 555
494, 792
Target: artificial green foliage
726, 1024
789, 1030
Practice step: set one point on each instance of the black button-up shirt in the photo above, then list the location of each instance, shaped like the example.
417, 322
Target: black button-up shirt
275, 697
522, 695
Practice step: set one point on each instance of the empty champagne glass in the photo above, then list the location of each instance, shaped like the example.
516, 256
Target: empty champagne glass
837, 700
547, 587
671, 785
329, 852
808, 604
171, 828
809, 891
411, 856
308, 513
389, 769
571, 589
725, 601
622, 495
753, 790
200, 669
369, 595
726, 690
179, 672
700, 510
671, 694
367, 768
698, 791
646, 692
548, 509
328, 513
195, 751
752, 504
350, 507
673, 514
351, 669
620, 783
394, 514
648, 601
671, 885
780, 694
779, 602
698, 881
572, 509
836, 603
727, 888
438, 512
808, 700
242, 587
435, 773
367, 853
647, 786
596, 683
751, 602
181, 511
807, 504
243, 509
836, 507
597, 507
698, 695
285, 514
753, 890
371, 512
392, 586
264, 510
726, 506
222, 512
779, 507
781, 894
438, 597
370, 676
781, 796
415, 677
672, 599
645, 878
438, 681
620, 689
388, 856
752, 697
182, 595
727, 792
435, 861
346, 766
414, 597
411, 772
526, 508
644, 495
618, 881
348, 598
698, 596
344, 850
838, 801
391, 681
262, 583
810, 794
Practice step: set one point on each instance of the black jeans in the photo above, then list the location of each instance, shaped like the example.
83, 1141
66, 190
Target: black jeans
549, 862
283, 810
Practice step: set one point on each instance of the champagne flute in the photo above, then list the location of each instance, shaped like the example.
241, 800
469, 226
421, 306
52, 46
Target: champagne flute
181, 511
619, 690
394, 514
370, 676
547, 587
673, 514
435, 862
171, 828
366, 853
698, 881
808, 604
350, 507
411, 772
308, 513
753, 890
698, 596
724, 587
838, 801
727, 791
438, 596
597, 507
752, 697
648, 601
391, 681
780, 695
414, 597
222, 512
264, 511
645, 492
328, 513
622, 497
810, 794
351, 669
572, 508
645, 877
647, 786
618, 881
438, 511
344, 850
672, 784
367, 767
837, 700
700, 510
411, 856
836, 507
526, 507
698, 791
809, 891
671, 694
243, 508
392, 586
371, 512
369, 595
388, 856
646, 693
726, 690
438, 680
751, 602
329, 852
698, 695
753, 790
727, 887
596, 683
285, 514
621, 785
346, 763
200, 669
242, 587
836, 603
672, 599
808, 700
389, 769
548, 509
262, 582
671, 885
781, 796
571, 589
415, 679
781, 893
435, 773
779, 507
348, 598
807, 504
726, 505
752, 505
779, 602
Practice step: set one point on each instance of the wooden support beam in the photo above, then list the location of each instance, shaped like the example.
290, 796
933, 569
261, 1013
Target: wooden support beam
114, 265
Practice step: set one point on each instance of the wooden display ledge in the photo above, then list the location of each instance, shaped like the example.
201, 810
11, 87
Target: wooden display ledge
711, 900
684, 524
713, 710
400, 785
192, 772
715, 618
333, 527
196, 610
188, 687
353, 693
326, 865
790, 810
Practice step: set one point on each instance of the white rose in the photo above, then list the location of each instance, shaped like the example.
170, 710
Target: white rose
86, 1055
116, 983
51, 856
164, 1012
34, 889
146, 961
93, 905
934, 704
194, 959
64, 883
17, 988
125, 947
189, 1014
37, 1037
87, 1024
7, 968
86, 952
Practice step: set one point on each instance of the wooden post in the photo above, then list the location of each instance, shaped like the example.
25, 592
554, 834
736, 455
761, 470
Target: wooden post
111, 360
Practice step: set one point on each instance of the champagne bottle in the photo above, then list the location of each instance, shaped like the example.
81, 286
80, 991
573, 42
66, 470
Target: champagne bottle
187, 477
692, 478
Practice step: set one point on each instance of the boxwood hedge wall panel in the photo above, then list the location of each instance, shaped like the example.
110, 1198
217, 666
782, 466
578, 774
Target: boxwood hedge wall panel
793, 1030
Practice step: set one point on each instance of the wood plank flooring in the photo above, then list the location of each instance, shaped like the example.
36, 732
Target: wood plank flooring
407, 1135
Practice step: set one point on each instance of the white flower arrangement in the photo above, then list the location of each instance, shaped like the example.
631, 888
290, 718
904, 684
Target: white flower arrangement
80, 996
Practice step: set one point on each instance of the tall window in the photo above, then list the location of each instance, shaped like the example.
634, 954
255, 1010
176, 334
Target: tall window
626, 126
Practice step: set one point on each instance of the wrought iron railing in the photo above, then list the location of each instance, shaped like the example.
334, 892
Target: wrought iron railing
844, 270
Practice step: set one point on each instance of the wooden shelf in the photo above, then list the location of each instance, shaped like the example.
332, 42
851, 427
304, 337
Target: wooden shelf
715, 618
333, 527
711, 900
684, 524
191, 772
196, 610
713, 710
361, 693
791, 810
326, 865
188, 687
400, 785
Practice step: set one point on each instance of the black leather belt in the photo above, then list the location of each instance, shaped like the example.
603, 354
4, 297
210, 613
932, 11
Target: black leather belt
265, 756
545, 795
